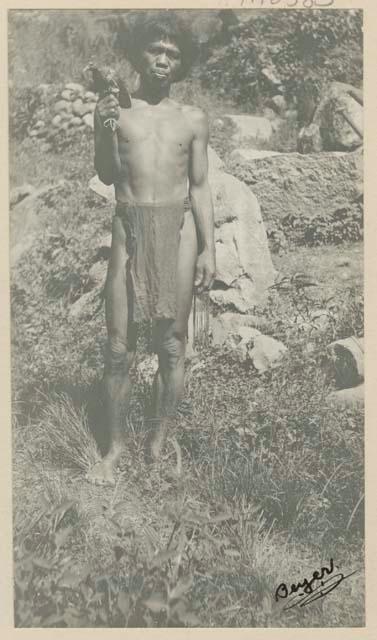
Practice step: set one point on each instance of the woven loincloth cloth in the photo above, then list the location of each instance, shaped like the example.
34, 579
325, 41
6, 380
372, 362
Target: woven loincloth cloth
152, 244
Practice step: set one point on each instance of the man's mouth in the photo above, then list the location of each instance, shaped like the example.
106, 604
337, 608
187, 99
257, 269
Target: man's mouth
160, 74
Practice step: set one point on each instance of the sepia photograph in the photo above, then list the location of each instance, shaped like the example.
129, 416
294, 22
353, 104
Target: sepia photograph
186, 198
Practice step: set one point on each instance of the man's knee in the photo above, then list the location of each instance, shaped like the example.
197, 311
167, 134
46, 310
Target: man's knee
118, 360
171, 350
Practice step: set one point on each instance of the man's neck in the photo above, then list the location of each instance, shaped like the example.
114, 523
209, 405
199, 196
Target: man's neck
152, 94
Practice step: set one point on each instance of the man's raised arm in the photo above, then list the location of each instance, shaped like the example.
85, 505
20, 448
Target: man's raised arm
106, 154
201, 199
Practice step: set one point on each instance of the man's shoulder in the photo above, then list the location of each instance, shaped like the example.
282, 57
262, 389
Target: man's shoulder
197, 117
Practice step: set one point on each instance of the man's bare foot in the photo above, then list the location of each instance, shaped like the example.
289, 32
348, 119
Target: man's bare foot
103, 473
155, 441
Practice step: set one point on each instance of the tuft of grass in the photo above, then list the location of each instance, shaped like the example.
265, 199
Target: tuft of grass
66, 434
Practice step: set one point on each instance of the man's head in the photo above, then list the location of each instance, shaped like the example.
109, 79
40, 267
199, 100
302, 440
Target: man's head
160, 45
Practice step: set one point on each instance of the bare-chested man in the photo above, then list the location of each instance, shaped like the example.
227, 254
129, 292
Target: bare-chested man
163, 231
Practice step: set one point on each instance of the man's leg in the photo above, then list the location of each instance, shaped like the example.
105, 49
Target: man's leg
119, 357
170, 343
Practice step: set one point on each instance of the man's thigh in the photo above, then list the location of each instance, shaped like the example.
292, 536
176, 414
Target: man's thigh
118, 292
187, 258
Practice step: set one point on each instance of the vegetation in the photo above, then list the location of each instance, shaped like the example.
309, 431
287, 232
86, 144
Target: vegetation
299, 50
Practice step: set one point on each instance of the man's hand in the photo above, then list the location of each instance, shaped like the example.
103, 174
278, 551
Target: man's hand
205, 271
108, 107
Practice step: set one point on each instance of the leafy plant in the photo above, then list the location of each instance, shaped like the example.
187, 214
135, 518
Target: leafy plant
302, 49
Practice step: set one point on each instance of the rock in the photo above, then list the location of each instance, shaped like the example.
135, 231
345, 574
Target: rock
86, 305
352, 398
342, 124
89, 96
223, 325
291, 185
244, 266
340, 117
25, 223
229, 267
75, 122
218, 123
106, 242
56, 121
337, 123
267, 353
67, 95
78, 107
88, 107
88, 120
247, 155
103, 190
309, 139
348, 358
227, 324
278, 104
256, 127
20, 193
242, 296
62, 105
75, 87
269, 114
241, 342
97, 273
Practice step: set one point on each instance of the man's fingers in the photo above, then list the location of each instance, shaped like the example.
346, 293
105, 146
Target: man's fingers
198, 277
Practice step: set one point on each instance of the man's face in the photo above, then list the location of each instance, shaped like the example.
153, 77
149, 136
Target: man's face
160, 62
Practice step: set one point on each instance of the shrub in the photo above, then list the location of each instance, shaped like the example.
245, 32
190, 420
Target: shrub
302, 49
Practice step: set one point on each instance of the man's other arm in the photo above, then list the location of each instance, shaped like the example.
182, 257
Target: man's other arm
200, 195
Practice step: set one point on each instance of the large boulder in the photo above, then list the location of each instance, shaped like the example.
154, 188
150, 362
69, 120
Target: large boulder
291, 184
267, 353
247, 154
228, 324
244, 266
337, 123
347, 357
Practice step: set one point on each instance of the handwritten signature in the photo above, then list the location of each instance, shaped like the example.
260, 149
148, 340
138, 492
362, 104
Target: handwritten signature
309, 591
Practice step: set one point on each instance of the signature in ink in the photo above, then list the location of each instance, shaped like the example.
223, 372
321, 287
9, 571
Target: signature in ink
308, 591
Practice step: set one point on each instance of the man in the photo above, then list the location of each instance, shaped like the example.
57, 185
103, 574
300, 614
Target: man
163, 230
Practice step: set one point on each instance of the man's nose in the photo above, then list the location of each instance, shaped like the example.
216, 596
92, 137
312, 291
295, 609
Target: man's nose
162, 61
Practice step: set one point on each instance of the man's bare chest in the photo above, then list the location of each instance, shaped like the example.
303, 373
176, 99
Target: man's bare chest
165, 128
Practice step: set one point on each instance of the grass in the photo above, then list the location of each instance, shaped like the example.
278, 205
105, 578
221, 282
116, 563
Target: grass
262, 482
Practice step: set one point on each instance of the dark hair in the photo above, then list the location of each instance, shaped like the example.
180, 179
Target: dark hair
143, 27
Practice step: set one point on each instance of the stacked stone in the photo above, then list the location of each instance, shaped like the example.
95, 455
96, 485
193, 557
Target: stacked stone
73, 112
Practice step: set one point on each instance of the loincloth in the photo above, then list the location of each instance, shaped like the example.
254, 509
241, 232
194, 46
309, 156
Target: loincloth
152, 244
